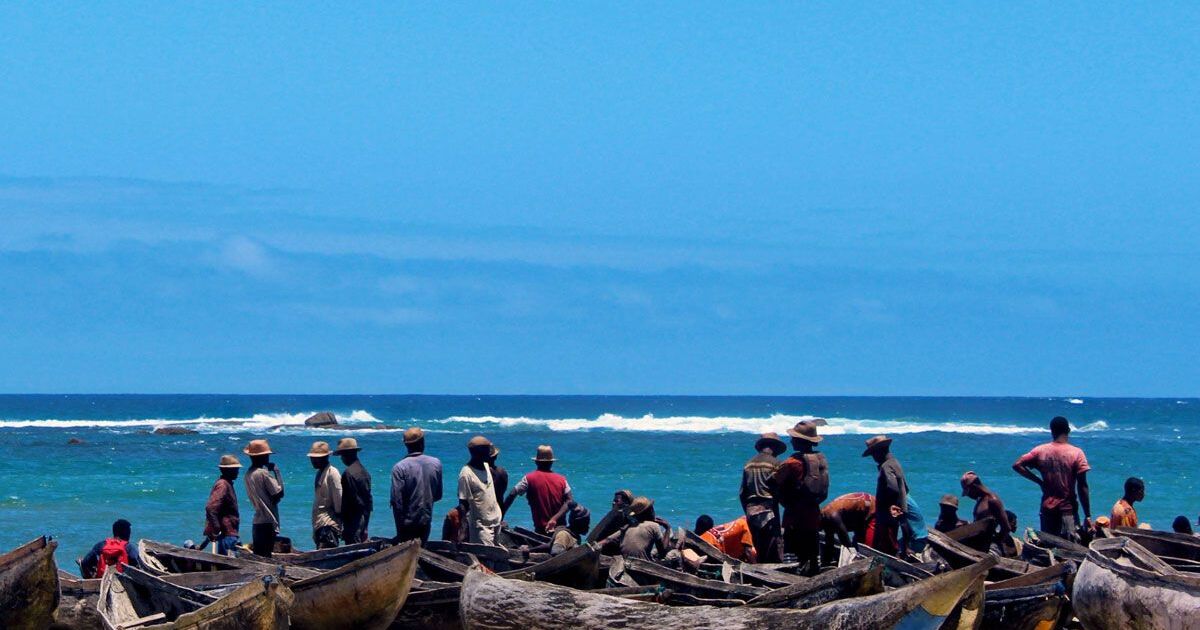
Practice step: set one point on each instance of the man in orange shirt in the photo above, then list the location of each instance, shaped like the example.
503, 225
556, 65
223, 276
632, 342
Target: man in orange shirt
1123, 514
734, 539
848, 514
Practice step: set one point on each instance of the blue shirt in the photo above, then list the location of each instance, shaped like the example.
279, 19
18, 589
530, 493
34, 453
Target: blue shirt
416, 486
914, 530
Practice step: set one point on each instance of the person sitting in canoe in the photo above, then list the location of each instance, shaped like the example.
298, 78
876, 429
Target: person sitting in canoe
989, 505
615, 519
548, 492
848, 514
1123, 514
645, 540
1182, 525
568, 536
114, 552
733, 539
948, 514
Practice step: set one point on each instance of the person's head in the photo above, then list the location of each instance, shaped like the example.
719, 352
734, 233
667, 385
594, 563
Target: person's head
704, 523
878, 448
770, 443
229, 467
1012, 519
259, 452
642, 509
1181, 525
122, 529
622, 499
347, 449
1135, 489
804, 436
948, 506
544, 459
1059, 427
579, 520
318, 455
494, 455
972, 485
480, 449
414, 440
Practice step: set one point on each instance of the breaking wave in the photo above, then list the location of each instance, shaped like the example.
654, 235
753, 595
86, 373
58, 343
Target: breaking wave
258, 421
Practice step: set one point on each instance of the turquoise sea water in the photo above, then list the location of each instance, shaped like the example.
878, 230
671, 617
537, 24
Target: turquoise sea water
685, 452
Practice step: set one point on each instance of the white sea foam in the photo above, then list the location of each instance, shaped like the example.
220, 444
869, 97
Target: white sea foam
205, 424
1075, 401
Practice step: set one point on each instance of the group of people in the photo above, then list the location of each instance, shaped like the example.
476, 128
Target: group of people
781, 501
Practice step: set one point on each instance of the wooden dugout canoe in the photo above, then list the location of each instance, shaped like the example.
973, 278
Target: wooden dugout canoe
134, 598
857, 579
1181, 551
29, 586
490, 602
1122, 585
577, 567
1036, 607
161, 559
958, 555
645, 573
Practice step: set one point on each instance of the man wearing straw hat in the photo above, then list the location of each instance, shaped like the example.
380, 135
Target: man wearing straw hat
548, 492
264, 486
356, 493
416, 486
891, 494
802, 484
758, 497
477, 493
221, 518
327, 498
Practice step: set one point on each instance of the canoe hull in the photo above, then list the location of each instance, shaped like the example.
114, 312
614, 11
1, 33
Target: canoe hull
365, 594
1112, 596
29, 586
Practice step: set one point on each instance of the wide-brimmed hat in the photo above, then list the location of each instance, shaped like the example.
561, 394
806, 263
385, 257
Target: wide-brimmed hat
950, 500
628, 494
969, 479
544, 454
805, 430
641, 504
413, 434
229, 461
319, 449
875, 443
258, 447
345, 445
495, 451
478, 441
772, 440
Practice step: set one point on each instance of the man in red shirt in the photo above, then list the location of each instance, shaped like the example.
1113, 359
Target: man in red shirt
1064, 470
548, 492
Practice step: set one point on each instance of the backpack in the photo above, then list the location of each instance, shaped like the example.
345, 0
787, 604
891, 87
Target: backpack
115, 552
815, 484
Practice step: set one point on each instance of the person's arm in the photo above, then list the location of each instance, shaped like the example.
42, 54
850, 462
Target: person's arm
131, 550
996, 508
1085, 499
613, 538
517, 490
1022, 467
87, 566
397, 496
212, 510
839, 529
568, 501
335, 490
276, 496
660, 546
895, 490
437, 484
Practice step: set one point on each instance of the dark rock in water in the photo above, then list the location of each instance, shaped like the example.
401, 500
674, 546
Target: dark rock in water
75, 441
323, 419
173, 431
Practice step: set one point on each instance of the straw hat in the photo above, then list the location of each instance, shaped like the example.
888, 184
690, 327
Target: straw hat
345, 445
641, 504
875, 443
229, 461
771, 440
413, 434
805, 430
319, 449
258, 447
478, 441
628, 494
969, 479
950, 500
544, 454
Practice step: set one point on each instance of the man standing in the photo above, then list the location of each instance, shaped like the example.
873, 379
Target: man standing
548, 492
1123, 514
221, 518
989, 505
891, 491
477, 493
264, 486
499, 476
416, 486
801, 483
327, 498
758, 497
1064, 473
356, 493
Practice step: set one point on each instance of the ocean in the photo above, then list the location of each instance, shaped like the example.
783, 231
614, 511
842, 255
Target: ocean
684, 452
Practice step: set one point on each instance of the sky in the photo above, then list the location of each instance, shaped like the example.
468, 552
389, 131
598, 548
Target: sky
608, 198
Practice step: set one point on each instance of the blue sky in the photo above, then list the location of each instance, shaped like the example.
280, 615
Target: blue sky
598, 198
